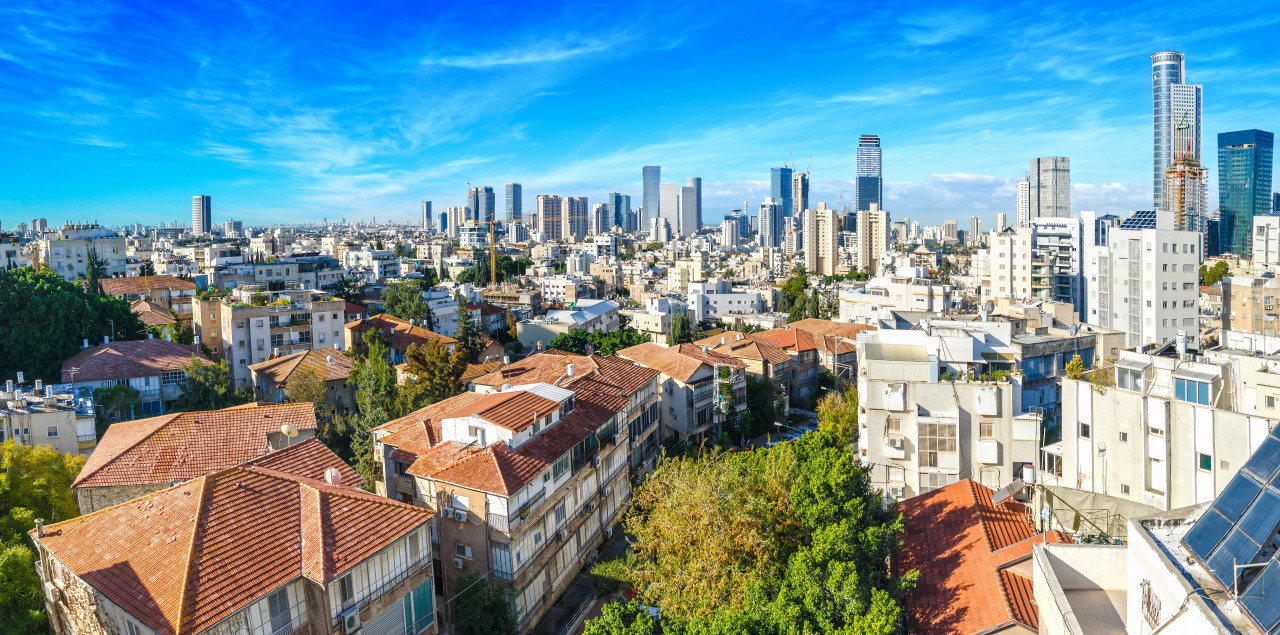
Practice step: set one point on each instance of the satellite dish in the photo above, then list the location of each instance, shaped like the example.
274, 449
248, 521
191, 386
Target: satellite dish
989, 306
288, 431
1075, 328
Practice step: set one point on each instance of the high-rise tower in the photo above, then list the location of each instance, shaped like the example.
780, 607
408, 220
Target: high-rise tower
515, 202
780, 189
1244, 187
201, 214
1174, 103
691, 199
870, 183
1049, 188
652, 192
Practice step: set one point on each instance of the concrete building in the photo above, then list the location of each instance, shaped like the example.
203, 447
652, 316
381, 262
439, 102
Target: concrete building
780, 184
771, 225
550, 216
527, 477
1049, 188
714, 298
1001, 221
1145, 283
691, 385
39, 415
730, 234
800, 191
1174, 103
1266, 243
152, 367
253, 324
1006, 265
822, 247
689, 220
670, 206
328, 365
67, 249
654, 317
575, 217
201, 215
481, 204
881, 296
1244, 186
872, 238
401, 334
589, 315
326, 557
870, 182
950, 234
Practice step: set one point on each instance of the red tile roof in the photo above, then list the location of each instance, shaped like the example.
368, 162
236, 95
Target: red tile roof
549, 367
151, 313
678, 362
846, 330
144, 284
403, 334
789, 339
182, 559
328, 364
419, 430
178, 447
964, 547
123, 360
514, 411
309, 459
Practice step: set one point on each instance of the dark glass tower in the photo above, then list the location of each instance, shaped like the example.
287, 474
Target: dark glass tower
780, 190
870, 183
1244, 187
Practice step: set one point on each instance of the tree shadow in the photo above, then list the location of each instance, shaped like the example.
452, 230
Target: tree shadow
939, 538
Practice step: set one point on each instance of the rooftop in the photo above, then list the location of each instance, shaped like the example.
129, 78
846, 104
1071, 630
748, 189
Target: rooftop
328, 364
402, 333
124, 360
144, 284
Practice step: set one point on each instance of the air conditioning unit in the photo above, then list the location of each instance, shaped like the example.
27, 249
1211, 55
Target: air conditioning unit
604, 491
460, 515
559, 535
608, 533
897, 491
894, 442
351, 620
598, 461
448, 512
617, 438
591, 506
459, 563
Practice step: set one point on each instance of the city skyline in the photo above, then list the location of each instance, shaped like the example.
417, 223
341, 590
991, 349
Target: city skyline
109, 131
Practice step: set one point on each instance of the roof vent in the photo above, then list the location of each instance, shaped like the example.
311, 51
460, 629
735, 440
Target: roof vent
569, 370
85, 344
721, 341
21, 378
737, 336
8, 385
106, 339
39, 386
704, 350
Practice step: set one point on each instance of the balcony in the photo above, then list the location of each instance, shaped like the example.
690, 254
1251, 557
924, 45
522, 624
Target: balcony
404, 484
87, 438
520, 515
423, 565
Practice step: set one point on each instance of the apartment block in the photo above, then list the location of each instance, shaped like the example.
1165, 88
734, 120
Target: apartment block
822, 245
66, 250
1145, 282
693, 381
34, 415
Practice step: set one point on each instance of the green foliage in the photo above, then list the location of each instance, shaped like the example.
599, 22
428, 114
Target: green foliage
620, 618
654, 246
1075, 368
35, 482
483, 607
404, 300
839, 413
207, 386
762, 408
113, 404
148, 268
1210, 276
376, 397
434, 375
681, 333
350, 289
470, 338
95, 269
801, 544
606, 343
44, 319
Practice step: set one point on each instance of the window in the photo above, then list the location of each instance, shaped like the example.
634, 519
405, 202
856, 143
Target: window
169, 377
935, 438
463, 551
476, 432
546, 476
1124, 437
131, 628
51, 432
893, 426
1271, 401
1084, 430
1191, 391
560, 513
1206, 462
1052, 464
1150, 604
259, 323
986, 429
346, 591
1124, 489
561, 466
278, 605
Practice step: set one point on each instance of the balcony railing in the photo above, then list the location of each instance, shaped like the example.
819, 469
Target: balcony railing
390, 583
86, 438
524, 511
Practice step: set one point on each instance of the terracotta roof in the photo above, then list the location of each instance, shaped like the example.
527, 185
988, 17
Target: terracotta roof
122, 360
316, 360
678, 362
515, 410
965, 548
151, 313
309, 459
549, 366
177, 447
479, 370
184, 558
144, 284
352, 307
831, 327
403, 334
419, 430
751, 348
789, 339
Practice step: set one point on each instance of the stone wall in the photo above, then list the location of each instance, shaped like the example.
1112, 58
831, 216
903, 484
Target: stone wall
92, 499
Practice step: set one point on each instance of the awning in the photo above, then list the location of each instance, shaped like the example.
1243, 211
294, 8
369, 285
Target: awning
1132, 364
1195, 375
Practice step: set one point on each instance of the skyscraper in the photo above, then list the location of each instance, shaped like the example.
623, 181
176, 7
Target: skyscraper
201, 214
689, 209
575, 217
873, 237
770, 221
617, 207
515, 202
695, 183
1024, 203
549, 216
780, 189
426, 215
482, 203
1184, 192
821, 238
800, 191
975, 228
1001, 221
870, 184
1244, 186
1049, 188
652, 191
1173, 103
669, 206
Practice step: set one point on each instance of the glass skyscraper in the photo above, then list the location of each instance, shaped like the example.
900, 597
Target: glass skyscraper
870, 183
1175, 117
515, 202
780, 190
1244, 187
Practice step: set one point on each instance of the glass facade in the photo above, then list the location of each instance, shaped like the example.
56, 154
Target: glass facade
1244, 187
1167, 69
870, 184
780, 190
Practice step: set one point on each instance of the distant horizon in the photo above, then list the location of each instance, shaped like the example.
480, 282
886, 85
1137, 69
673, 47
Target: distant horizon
121, 112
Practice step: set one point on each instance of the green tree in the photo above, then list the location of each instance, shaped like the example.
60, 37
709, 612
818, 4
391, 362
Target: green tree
148, 268
376, 402
1075, 368
351, 289
680, 332
618, 618
802, 544
44, 319
113, 404
839, 412
21, 602
468, 332
404, 300
1210, 276
483, 607
207, 386
434, 375
95, 269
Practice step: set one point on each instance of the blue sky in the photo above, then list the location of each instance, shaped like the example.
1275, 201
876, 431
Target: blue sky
293, 112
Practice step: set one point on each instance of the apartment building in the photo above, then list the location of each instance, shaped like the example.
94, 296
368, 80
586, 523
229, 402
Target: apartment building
692, 382
762, 358
66, 250
714, 298
1266, 243
148, 455
286, 544
836, 343
37, 414
1145, 282
1251, 306
804, 358
590, 315
400, 335
1181, 441
527, 478
1007, 265
881, 296
167, 291
152, 367
920, 431
253, 324
873, 237
654, 317
822, 245
329, 365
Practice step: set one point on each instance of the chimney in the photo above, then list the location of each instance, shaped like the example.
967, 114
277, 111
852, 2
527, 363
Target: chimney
569, 370
85, 344
8, 386
106, 339
39, 528
722, 340
275, 352
737, 336
539, 345
506, 359
590, 350
332, 476
21, 378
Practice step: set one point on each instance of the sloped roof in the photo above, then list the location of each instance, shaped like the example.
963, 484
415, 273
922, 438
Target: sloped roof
965, 548
549, 367
178, 447
144, 284
151, 313
751, 348
789, 339
184, 558
678, 362
831, 327
316, 360
513, 410
403, 334
308, 459
123, 360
